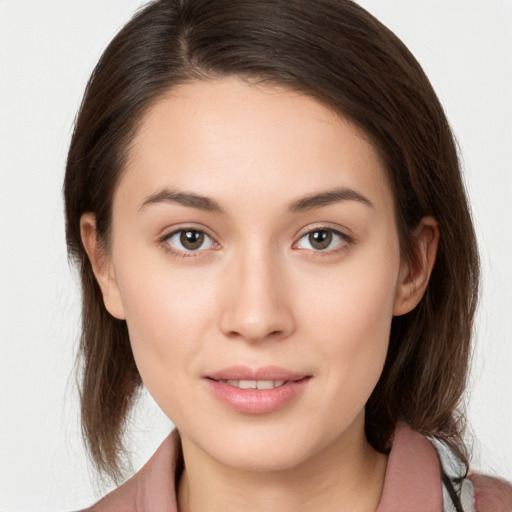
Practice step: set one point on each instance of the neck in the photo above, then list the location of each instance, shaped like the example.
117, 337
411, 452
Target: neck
347, 475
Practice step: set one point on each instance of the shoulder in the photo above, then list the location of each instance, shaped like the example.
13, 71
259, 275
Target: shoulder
152, 487
491, 494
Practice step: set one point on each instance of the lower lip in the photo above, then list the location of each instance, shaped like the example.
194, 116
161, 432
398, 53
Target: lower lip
257, 401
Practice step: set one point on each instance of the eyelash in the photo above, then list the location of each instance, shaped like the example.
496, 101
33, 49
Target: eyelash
342, 245
183, 254
164, 240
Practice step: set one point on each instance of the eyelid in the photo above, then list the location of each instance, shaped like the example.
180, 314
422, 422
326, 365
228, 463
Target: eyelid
346, 239
163, 240
319, 226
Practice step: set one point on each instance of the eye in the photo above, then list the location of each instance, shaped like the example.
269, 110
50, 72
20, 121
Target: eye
322, 239
188, 240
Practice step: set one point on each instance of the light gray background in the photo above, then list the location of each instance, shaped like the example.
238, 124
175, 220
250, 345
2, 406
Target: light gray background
47, 50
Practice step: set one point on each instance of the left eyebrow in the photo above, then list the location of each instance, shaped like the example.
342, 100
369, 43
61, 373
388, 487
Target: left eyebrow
326, 198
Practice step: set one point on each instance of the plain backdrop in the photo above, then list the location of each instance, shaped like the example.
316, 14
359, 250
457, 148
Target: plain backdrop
47, 50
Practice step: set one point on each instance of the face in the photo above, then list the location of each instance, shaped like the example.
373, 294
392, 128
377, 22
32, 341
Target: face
254, 255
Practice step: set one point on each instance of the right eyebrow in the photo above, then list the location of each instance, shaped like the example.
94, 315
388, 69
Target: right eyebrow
184, 198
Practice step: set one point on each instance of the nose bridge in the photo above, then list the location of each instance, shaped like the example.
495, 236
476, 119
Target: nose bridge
256, 304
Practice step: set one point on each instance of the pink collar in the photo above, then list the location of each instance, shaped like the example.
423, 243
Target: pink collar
413, 475
412, 484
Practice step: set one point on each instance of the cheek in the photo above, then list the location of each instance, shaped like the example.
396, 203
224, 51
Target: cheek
350, 319
168, 315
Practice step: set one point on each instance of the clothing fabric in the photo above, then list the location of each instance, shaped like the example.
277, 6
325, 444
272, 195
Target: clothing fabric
413, 482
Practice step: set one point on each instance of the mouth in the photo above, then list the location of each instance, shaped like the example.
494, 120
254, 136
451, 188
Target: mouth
234, 375
254, 384
256, 391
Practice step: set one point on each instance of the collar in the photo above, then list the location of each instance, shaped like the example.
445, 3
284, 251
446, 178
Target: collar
412, 482
413, 475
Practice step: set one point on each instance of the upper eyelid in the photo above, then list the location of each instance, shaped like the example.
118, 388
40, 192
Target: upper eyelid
332, 230
167, 233
325, 226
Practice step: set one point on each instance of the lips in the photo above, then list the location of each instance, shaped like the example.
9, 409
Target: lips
256, 391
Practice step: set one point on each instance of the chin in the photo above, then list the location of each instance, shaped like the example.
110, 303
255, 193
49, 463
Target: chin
263, 459
265, 447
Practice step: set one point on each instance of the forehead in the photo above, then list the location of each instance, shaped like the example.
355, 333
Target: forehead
236, 141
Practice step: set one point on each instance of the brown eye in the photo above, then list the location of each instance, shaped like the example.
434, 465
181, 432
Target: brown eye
320, 239
189, 240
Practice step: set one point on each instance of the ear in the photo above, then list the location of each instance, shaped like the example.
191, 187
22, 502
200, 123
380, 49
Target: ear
102, 266
415, 274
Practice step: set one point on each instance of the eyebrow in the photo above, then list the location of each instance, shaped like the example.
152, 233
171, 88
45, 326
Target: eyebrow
337, 195
309, 202
184, 198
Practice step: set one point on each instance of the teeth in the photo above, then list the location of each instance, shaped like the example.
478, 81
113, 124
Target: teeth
254, 384
247, 384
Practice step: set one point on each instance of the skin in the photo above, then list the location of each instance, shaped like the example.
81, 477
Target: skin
258, 292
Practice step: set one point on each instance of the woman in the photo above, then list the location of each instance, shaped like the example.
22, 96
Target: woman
265, 203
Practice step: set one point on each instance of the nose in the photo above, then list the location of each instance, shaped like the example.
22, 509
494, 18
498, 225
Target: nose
256, 304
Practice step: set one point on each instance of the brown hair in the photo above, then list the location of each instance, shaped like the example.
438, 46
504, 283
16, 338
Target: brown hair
336, 52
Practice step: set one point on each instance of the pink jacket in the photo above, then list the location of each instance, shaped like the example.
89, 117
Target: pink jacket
412, 483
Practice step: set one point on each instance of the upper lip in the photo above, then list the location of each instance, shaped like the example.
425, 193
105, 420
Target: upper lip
261, 373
